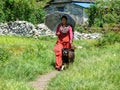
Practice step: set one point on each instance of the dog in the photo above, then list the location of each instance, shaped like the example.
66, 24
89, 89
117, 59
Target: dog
68, 56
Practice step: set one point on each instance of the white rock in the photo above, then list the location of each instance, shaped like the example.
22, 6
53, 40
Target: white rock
24, 28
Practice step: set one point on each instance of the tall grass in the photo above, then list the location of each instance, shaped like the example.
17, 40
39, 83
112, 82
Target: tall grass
95, 68
28, 58
14, 85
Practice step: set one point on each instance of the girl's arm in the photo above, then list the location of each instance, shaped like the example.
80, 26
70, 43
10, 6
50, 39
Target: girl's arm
71, 34
57, 31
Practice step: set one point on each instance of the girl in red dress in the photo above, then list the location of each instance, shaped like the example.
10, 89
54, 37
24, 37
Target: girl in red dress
65, 36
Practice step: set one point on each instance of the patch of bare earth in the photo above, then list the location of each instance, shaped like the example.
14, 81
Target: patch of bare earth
43, 80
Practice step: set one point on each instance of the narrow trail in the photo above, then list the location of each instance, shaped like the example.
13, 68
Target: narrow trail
43, 80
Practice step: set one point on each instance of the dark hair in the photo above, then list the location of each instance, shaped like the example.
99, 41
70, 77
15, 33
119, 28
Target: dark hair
64, 17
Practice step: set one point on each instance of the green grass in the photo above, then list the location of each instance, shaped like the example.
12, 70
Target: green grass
14, 85
28, 58
95, 68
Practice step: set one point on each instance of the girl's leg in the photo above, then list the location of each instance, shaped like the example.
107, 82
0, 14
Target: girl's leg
58, 52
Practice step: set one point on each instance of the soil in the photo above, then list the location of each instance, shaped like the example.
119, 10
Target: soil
43, 80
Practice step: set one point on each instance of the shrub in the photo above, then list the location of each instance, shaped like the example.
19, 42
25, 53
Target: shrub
95, 29
98, 22
28, 10
79, 29
108, 27
2, 15
109, 38
108, 18
91, 14
104, 12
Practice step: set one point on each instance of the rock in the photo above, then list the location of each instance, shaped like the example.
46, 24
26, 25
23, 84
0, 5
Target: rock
82, 36
42, 29
24, 28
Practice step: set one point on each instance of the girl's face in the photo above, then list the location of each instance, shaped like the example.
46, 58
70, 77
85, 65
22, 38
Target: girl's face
64, 21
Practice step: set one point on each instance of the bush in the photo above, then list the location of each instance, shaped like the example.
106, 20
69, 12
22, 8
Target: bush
104, 12
91, 14
28, 10
98, 22
79, 29
109, 38
95, 29
108, 27
2, 15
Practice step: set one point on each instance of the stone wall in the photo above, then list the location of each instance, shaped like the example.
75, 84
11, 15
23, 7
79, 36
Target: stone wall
24, 28
86, 36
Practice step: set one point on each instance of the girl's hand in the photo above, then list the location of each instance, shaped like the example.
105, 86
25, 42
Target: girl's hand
58, 33
70, 42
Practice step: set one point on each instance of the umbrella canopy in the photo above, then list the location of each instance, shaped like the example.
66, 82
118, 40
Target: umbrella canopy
52, 20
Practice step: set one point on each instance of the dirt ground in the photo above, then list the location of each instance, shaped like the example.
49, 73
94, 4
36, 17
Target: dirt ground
43, 80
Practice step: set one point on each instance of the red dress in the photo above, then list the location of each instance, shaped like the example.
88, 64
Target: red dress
65, 37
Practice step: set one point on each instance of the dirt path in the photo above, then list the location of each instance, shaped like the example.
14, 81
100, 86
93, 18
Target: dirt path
43, 80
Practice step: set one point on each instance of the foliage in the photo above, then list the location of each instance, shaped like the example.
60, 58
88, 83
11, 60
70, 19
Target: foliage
28, 10
79, 29
108, 39
91, 14
104, 11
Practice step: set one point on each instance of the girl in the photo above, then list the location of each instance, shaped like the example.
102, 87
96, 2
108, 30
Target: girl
65, 36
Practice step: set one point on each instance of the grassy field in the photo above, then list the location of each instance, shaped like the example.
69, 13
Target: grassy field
95, 68
23, 59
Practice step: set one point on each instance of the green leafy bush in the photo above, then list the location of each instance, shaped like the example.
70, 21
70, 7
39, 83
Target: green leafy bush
108, 27
28, 10
109, 38
2, 15
108, 18
91, 14
79, 29
104, 12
